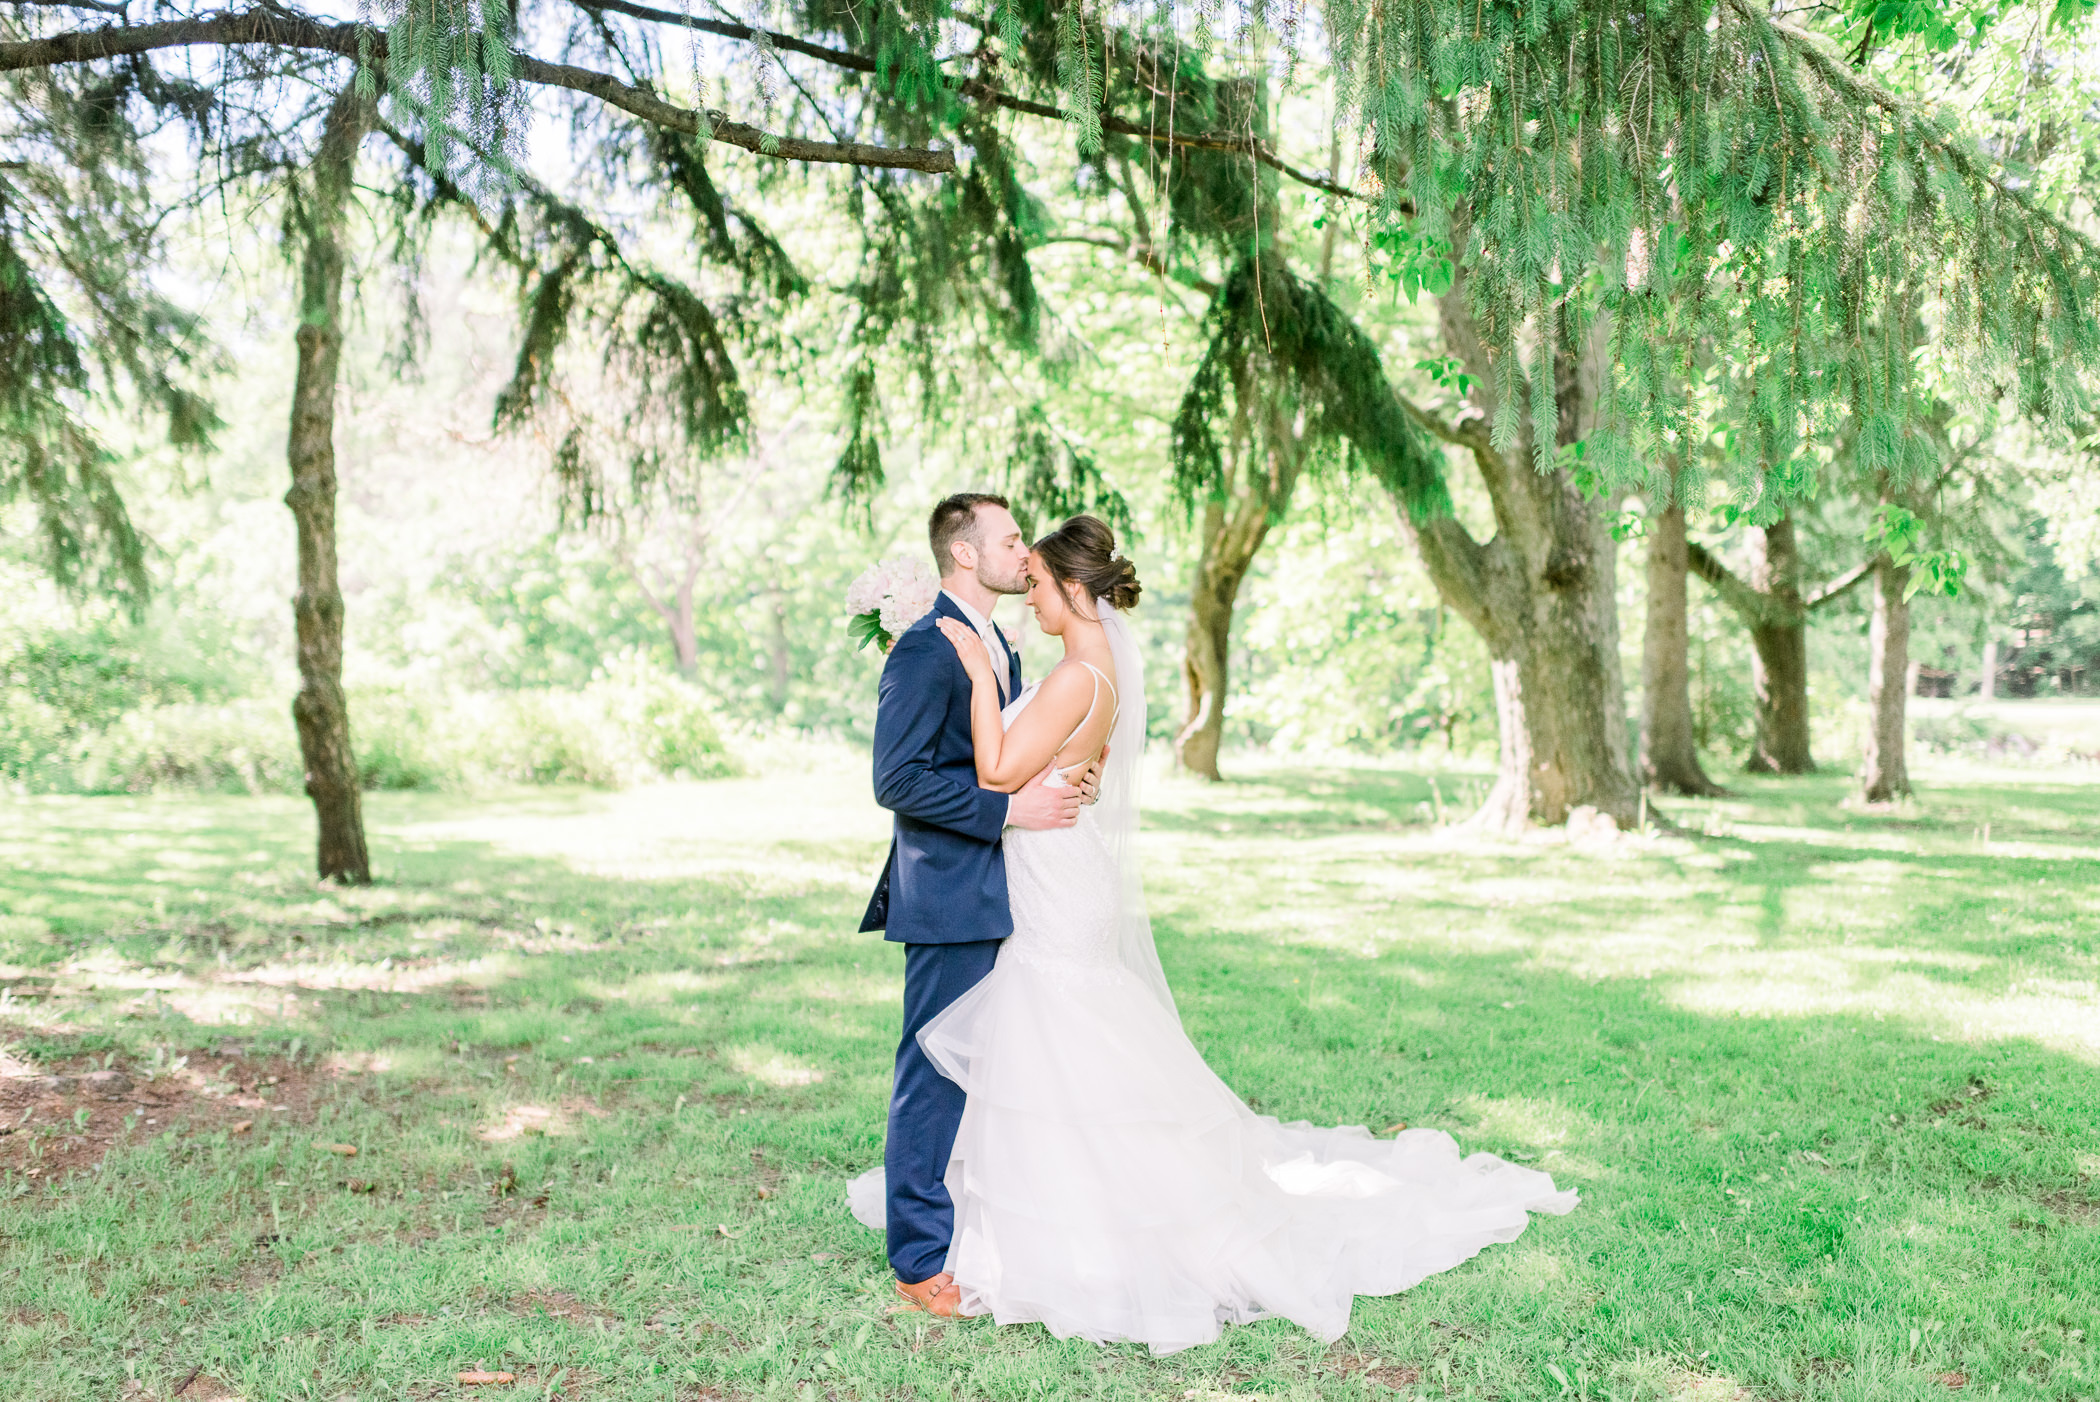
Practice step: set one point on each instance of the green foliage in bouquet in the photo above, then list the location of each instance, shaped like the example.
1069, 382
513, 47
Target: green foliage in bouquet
865, 628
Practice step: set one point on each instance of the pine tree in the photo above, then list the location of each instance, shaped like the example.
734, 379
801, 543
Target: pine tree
1623, 196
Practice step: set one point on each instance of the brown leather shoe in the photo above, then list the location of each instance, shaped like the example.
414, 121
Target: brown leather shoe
937, 1296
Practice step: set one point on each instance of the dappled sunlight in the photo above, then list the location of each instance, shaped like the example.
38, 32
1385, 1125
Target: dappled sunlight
1827, 983
557, 1017
1780, 917
1540, 1124
233, 1006
786, 830
668, 986
521, 1120
775, 1068
383, 976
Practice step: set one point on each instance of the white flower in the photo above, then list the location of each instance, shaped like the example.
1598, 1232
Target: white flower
907, 602
864, 595
899, 592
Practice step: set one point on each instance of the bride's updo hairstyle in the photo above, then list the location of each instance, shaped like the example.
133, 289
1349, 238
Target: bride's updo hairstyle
1083, 552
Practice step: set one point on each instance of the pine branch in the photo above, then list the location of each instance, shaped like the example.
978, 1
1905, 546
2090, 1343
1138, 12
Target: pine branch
979, 90
284, 29
1967, 161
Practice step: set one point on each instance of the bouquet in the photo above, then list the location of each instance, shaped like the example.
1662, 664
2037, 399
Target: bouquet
888, 598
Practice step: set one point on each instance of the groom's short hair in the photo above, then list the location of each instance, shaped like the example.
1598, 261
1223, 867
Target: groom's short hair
956, 519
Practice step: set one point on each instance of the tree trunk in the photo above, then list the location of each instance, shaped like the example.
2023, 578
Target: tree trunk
1887, 776
1543, 595
779, 657
1989, 686
1233, 531
685, 633
1669, 753
320, 711
1779, 656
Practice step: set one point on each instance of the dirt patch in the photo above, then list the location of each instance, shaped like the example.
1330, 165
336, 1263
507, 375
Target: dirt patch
556, 1385
1690, 1385
521, 1121
558, 1304
23, 1317
1382, 1371
60, 1116
2073, 1204
200, 1388
1966, 1103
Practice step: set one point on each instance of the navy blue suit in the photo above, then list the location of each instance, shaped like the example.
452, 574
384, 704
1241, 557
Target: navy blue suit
943, 896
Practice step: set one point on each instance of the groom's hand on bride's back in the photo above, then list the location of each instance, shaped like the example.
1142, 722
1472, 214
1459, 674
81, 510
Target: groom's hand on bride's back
1036, 806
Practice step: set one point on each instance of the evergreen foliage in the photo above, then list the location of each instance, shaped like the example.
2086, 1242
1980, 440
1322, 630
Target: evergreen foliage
1712, 186
1286, 371
78, 315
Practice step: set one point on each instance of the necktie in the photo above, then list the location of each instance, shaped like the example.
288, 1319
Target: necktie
996, 646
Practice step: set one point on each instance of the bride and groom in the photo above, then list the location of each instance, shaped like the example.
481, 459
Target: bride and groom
1058, 1150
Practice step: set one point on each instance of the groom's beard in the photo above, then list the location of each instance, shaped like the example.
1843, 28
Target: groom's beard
1016, 583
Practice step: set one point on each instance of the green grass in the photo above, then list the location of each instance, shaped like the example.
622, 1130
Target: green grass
1826, 1080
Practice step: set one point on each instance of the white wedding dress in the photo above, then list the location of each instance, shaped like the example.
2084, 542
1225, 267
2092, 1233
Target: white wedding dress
1109, 1185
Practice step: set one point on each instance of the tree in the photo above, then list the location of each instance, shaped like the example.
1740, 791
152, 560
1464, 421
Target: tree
461, 148
1772, 606
318, 208
80, 316
1613, 189
1295, 382
1669, 755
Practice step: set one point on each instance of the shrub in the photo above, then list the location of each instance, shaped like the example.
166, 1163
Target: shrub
630, 726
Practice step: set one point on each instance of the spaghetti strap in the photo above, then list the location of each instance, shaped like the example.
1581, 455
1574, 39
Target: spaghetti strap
1100, 680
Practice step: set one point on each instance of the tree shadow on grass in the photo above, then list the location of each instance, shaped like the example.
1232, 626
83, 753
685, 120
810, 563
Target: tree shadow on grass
1815, 1198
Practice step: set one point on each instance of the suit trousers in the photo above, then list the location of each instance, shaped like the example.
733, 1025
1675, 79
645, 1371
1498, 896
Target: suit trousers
925, 1109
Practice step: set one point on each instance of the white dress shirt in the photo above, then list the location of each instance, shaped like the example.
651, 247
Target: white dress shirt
993, 643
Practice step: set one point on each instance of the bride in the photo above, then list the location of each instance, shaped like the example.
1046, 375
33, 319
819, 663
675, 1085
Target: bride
1106, 1183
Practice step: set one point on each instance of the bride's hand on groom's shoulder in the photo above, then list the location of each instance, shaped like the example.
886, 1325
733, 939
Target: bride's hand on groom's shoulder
969, 647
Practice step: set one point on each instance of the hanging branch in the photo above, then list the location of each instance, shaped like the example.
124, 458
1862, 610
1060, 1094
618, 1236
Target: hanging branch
977, 90
284, 29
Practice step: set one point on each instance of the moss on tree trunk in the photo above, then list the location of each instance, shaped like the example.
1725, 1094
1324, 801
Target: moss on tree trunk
320, 710
1669, 754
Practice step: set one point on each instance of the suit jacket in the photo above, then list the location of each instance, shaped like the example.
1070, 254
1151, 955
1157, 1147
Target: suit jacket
945, 881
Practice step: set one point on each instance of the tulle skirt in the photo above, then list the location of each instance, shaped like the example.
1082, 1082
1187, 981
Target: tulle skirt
1108, 1185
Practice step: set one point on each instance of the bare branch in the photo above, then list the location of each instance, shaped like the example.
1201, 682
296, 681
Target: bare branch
1843, 584
1142, 254
1470, 434
107, 7
1754, 606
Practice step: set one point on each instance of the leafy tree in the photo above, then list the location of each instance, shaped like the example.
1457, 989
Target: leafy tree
1619, 194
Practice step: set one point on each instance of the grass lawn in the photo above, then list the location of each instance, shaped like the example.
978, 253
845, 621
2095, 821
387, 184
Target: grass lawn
1826, 1080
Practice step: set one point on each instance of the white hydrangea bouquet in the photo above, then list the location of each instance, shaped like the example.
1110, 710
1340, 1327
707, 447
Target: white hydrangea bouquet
888, 598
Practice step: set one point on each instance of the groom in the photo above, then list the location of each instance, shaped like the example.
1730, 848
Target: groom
943, 892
